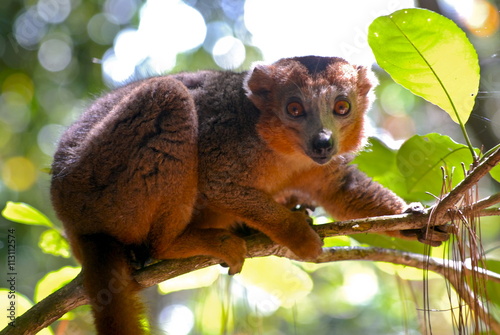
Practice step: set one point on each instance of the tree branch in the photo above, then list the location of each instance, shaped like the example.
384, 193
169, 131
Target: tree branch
72, 295
397, 222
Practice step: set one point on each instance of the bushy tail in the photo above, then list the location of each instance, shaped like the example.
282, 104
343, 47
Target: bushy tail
108, 281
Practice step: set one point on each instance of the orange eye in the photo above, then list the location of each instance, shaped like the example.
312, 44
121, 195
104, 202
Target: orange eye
295, 109
342, 107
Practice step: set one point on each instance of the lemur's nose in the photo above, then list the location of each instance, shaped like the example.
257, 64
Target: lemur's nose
323, 143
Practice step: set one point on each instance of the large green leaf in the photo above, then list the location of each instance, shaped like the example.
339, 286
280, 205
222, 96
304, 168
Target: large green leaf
429, 55
420, 160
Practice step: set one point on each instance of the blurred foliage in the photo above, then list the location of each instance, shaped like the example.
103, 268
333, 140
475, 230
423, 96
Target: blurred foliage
53, 56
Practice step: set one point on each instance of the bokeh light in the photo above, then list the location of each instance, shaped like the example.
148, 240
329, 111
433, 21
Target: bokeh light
53, 11
166, 29
14, 111
169, 28
484, 19
29, 28
360, 285
121, 11
318, 28
215, 31
54, 55
480, 17
176, 320
21, 84
101, 28
48, 137
18, 173
229, 52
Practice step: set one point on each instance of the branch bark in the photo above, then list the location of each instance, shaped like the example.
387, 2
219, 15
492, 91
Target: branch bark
72, 295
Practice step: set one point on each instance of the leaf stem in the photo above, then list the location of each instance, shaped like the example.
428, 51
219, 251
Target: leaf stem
475, 157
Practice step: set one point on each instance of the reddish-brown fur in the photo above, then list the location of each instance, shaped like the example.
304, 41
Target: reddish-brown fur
165, 166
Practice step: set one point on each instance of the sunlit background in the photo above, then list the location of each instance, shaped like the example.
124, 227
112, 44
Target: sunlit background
57, 55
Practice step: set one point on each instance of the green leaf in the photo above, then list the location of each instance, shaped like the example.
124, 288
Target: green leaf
429, 55
375, 158
337, 241
24, 213
54, 280
379, 163
421, 157
53, 243
495, 173
492, 286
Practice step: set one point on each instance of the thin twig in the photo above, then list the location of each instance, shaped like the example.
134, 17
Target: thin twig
455, 195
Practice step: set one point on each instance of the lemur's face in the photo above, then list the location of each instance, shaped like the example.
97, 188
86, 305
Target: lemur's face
312, 105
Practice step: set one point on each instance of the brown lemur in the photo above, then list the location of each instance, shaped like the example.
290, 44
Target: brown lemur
167, 165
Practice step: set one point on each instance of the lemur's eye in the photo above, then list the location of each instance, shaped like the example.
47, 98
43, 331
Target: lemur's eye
342, 107
295, 109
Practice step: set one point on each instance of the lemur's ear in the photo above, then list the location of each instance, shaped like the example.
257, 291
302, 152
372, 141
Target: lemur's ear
366, 80
259, 82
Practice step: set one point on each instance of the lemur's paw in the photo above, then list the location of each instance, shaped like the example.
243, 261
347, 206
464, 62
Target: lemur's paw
301, 239
432, 236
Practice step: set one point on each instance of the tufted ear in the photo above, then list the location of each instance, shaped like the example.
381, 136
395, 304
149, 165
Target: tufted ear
366, 80
259, 83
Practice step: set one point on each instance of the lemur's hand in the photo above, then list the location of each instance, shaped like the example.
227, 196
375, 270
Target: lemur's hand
433, 236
